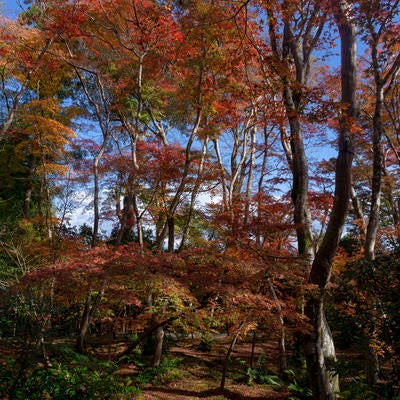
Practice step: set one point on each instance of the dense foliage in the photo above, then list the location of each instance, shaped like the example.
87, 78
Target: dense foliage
171, 166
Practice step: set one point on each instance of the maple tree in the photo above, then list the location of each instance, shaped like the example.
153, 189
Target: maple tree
197, 125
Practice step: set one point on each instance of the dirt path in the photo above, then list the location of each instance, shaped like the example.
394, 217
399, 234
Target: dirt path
201, 375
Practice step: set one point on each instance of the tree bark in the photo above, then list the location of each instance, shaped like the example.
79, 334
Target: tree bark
96, 200
319, 337
87, 317
194, 194
377, 171
159, 336
29, 188
228, 354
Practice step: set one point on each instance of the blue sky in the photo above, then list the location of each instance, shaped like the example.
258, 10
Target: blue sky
11, 8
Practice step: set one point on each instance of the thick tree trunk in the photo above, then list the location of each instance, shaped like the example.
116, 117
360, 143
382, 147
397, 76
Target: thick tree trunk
318, 341
320, 355
159, 340
127, 213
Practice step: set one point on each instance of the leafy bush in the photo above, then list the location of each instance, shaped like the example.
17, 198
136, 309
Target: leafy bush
166, 372
263, 375
298, 387
206, 343
64, 381
356, 389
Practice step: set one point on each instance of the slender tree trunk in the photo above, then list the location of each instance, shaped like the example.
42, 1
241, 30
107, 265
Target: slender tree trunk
182, 186
87, 317
96, 194
103, 115
377, 172
194, 194
372, 366
228, 355
42, 342
139, 225
253, 348
29, 188
282, 338
357, 209
222, 175
260, 185
249, 184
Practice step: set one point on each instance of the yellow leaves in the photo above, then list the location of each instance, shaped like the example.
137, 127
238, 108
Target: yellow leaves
53, 168
51, 129
39, 116
47, 137
45, 107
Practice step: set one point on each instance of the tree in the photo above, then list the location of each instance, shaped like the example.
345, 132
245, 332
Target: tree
23, 49
317, 359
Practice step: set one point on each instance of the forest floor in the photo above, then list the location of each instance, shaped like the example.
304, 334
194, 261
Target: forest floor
186, 373
198, 373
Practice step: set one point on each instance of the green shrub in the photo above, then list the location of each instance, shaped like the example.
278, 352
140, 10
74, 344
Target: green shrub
263, 376
357, 389
298, 388
206, 343
74, 377
79, 382
166, 372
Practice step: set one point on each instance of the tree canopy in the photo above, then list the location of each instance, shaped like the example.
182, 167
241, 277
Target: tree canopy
238, 163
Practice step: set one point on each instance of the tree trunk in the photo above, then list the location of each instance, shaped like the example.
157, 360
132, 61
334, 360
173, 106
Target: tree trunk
228, 354
87, 317
320, 355
29, 188
250, 175
377, 172
224, 188
193, 195
96, 207
373, 368
171, 233
159, 336
180, 190
83, 329
318, 346
127, 213
139, 225
282, 338
253, 348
